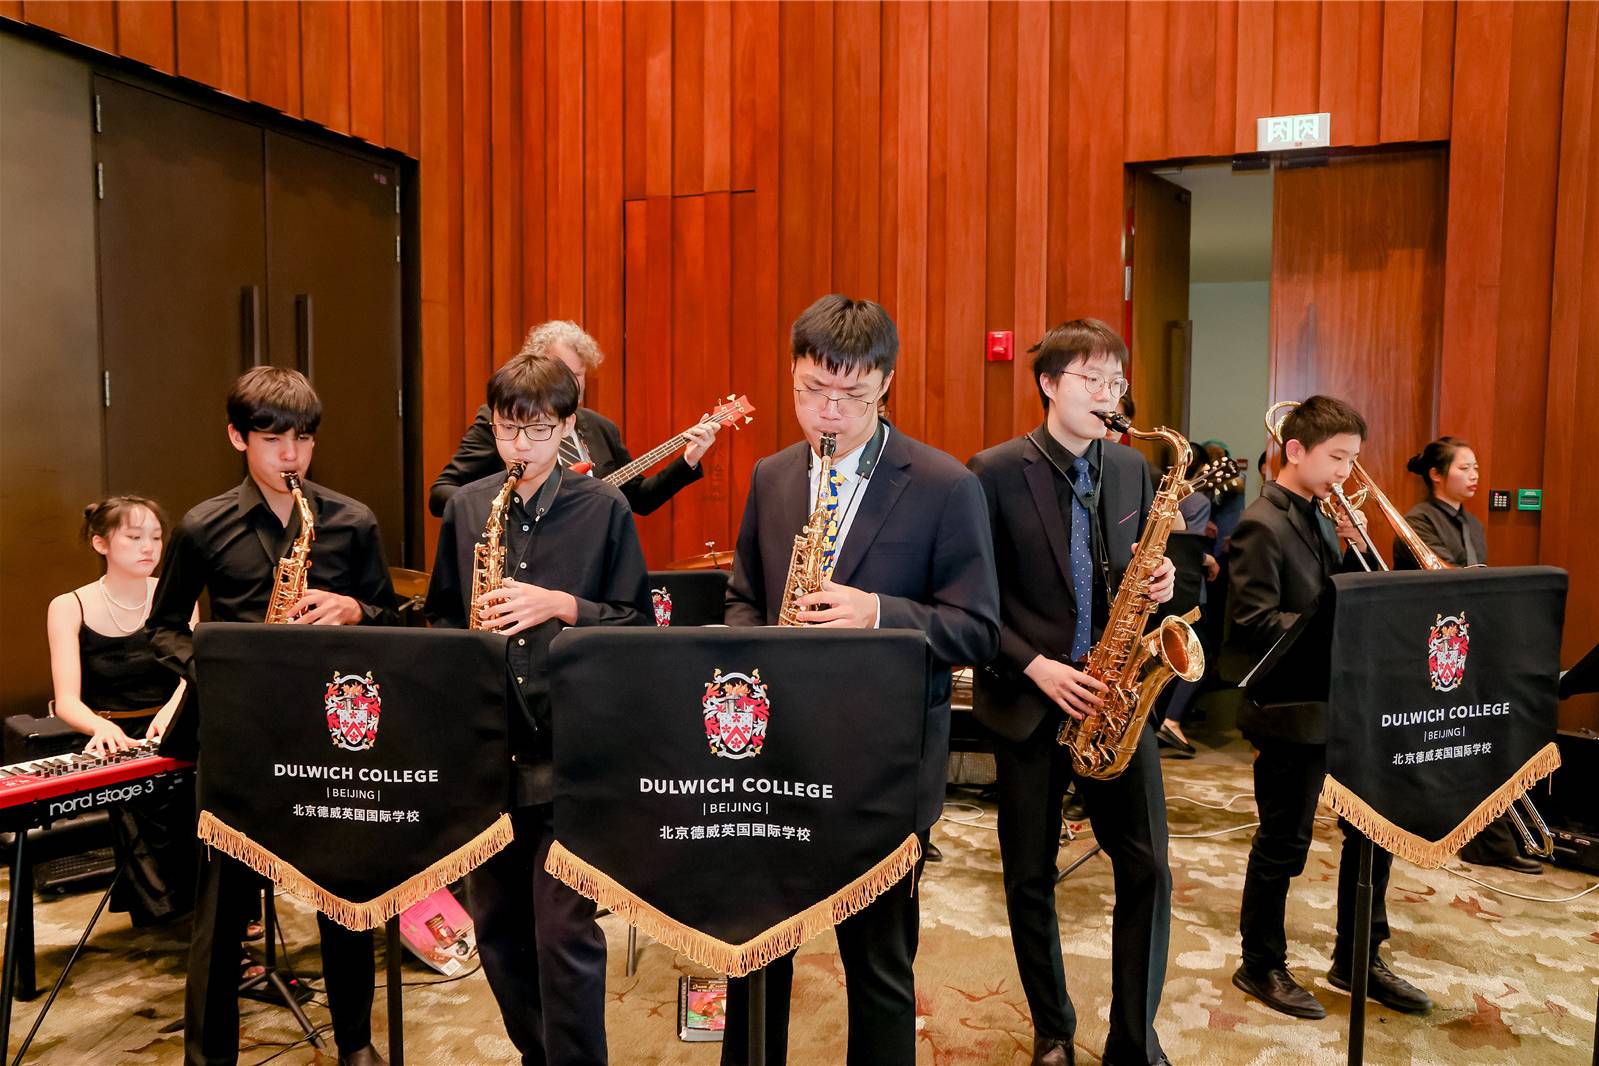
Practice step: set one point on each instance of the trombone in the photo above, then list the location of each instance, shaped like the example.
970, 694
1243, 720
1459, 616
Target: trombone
1366, 489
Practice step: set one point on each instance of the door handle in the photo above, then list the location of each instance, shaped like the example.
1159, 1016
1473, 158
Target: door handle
303, 349
250, 325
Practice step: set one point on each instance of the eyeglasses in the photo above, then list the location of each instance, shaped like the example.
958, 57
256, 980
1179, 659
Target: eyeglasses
536, 431
1094, 383
817, 400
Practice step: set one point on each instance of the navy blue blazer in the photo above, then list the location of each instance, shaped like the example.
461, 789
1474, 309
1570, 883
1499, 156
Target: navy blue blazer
919, 540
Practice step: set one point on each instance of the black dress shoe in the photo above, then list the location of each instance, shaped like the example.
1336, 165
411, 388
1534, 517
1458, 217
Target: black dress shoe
1049, 1051
1165, 738
1518, 862
1279, 991
367, 1056
1384, 986
932, 853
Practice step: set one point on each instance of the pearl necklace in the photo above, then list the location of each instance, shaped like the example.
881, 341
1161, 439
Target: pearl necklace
141, 606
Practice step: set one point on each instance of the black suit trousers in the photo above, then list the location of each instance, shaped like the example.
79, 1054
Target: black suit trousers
877, 946
1129, 819
1288, 780
543, 952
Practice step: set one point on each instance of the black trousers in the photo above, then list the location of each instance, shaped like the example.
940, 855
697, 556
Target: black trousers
1288, 780
1128, 814
877, 946
543, 952
211, 995
1494, 844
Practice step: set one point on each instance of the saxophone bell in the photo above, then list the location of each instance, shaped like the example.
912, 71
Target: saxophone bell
1135, 666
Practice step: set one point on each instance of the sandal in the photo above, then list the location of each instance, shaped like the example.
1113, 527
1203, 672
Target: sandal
254, 931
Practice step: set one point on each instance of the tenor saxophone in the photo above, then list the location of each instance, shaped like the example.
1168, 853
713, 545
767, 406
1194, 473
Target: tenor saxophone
1135, 667
488, 556
288, 577
806, 570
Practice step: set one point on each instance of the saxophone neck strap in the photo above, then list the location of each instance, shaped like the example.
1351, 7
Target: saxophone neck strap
545, 498
871, 452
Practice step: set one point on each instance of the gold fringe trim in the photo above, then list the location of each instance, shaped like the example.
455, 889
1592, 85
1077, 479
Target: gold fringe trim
348, 913
1431, 854
735, 960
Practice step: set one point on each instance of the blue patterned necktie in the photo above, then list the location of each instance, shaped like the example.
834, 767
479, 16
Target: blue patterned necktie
1082, 559
830, 536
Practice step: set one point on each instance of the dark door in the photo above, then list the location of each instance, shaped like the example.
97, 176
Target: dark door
334, 314
182, 276
1161, 224
50, 449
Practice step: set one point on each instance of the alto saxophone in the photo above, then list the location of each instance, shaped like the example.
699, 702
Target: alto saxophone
288, 578
488, 556
806, 571
1135, 667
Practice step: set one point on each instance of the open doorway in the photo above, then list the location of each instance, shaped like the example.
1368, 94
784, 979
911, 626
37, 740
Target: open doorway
1229, 308
1201, 304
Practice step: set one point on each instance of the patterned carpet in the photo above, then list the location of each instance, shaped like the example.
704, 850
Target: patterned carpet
1513, 980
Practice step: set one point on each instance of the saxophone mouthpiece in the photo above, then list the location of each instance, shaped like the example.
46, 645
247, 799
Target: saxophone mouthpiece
291, 480
829, 444
516, 469
1115, 420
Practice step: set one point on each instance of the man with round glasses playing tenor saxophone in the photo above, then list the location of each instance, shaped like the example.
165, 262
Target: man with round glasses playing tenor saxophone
1066, 507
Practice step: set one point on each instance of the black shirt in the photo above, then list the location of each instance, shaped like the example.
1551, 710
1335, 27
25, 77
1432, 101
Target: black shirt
229, 546
1453, 532
584, 543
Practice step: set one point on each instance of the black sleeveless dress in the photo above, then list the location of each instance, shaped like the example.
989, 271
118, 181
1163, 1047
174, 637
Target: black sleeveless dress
122, 677
124, 681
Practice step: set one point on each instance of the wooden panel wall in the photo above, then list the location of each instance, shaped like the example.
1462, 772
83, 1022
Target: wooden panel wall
965, 164
1357, 294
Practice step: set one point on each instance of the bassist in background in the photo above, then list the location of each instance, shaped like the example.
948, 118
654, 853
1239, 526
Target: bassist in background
595, 439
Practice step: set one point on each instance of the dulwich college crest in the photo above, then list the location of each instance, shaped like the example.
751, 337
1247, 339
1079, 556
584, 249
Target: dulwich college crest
353, 706
1446, 651
662, 599
736, 711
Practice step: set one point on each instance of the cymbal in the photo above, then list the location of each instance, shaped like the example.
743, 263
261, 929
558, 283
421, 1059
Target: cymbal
707, 561
409, 584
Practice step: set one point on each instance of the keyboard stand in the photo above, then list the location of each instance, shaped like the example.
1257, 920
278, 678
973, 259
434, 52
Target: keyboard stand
20, 874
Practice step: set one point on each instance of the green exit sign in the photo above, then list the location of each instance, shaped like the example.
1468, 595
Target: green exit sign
1529, 499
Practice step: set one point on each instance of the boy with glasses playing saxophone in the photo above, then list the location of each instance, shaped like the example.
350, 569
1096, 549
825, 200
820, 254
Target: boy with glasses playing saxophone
571, 557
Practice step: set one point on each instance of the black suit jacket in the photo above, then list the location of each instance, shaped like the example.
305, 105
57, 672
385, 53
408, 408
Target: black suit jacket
1440, 531
477, 458
919, 540
1277, 573
1032, 551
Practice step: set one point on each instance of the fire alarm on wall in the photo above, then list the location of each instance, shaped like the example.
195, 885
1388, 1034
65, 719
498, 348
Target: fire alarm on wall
999, 346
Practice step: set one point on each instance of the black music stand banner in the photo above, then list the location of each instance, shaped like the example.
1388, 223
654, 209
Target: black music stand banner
1442, 701
360, 768
736, 792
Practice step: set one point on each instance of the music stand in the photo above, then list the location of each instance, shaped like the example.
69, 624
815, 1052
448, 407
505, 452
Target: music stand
1298, 669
